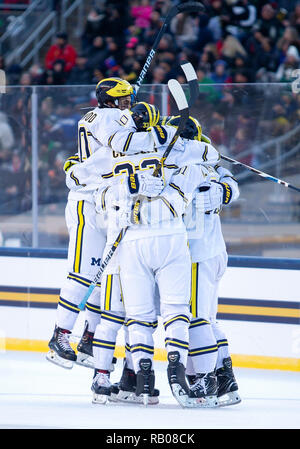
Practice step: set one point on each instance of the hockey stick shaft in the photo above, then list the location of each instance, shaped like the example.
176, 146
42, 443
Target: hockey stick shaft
261, 173
185, 7
179, 96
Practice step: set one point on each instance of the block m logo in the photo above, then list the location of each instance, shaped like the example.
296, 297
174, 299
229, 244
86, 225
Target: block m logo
96, 261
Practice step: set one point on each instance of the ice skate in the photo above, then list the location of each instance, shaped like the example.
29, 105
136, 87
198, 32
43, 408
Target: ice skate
227, 385
60, 351
125, 390
204, 388
177, 379
145, 380
101, 387
85, 355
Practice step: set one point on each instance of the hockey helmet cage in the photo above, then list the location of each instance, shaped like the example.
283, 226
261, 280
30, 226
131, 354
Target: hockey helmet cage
192, 129
145, 115
111, 89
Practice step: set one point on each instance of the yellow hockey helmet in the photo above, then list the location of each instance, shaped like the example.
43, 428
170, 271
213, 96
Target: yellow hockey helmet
145, 115
111, 89
192, 129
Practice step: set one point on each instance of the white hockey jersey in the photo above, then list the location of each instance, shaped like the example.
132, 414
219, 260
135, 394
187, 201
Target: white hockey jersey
95, 130
107, 165
204, 230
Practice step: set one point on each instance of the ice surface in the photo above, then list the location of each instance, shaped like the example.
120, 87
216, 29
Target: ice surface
36, 394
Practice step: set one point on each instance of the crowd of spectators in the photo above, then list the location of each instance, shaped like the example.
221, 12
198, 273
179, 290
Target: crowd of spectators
234, 41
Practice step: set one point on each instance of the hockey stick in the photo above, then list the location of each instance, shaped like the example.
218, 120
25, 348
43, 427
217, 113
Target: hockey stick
181, 102
260, 173
185, 7
192, 80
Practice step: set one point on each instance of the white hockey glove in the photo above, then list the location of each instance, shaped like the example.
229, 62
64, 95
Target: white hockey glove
145, 184
213, 195
209, 197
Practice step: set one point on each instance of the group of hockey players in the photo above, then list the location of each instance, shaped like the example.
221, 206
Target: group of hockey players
168, 263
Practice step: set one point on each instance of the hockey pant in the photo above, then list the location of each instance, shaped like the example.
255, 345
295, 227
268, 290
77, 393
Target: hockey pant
86, 245
163, 260
208, 345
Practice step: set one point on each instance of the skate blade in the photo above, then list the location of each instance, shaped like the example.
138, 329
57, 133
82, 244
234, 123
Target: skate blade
113, 397
180, 395
230, 398
205, 402
131, 397
52, 357
85, 360
100, 398
145, 398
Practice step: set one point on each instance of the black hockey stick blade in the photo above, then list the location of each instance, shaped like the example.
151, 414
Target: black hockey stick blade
191, 77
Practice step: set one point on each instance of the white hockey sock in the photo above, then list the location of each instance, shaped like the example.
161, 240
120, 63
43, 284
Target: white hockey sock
223, 349
66, 314
140, 340
128, 355
177, 335
203, 348
190, 371
93, 311
72, 292
105, 337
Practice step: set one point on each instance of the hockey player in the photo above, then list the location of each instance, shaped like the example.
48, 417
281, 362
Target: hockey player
209, 366
208, 248
90, 169
86, 240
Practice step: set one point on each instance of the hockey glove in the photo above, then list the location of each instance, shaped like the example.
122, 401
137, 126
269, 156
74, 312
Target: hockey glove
209, 197
145, 184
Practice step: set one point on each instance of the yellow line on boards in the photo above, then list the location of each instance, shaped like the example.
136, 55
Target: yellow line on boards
238, 360
263, 311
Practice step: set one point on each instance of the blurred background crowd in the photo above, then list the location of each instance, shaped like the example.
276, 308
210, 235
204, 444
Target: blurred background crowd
234, 46
237, 41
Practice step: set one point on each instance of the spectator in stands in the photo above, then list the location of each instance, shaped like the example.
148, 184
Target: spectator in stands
291, 62
209, 93
204, 34
262, 43
289, 37
239, 18
57, 181
59, 74
220, 73
61, 50
295, 17
80, 73
241, 63
25, 79
36, 74
6, 138
208, 58
94, 26
97, 53
159, 75
12, 181
141, 12
184, 28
